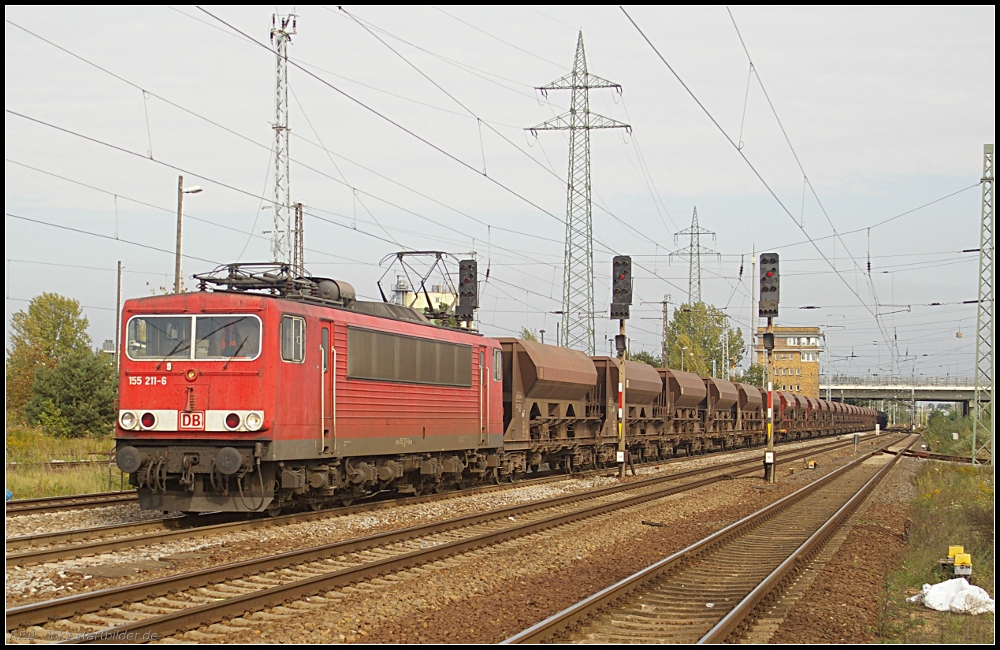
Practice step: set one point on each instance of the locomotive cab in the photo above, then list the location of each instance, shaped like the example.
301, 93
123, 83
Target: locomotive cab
192, 420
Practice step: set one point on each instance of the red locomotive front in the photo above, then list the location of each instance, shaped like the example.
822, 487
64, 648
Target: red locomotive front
238, 401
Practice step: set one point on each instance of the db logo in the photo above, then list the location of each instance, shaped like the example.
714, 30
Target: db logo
192, 420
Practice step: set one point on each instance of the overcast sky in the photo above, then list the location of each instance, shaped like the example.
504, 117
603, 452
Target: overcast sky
886, 110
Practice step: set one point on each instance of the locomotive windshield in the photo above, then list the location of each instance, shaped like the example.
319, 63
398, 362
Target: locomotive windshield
215, 337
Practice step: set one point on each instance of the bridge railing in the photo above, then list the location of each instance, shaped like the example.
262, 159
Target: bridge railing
879, 381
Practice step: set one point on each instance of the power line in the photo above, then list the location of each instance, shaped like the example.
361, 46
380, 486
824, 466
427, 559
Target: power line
754, 170
115, 239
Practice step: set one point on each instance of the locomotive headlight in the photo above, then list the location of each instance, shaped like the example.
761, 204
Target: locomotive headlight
254, 421
128, 420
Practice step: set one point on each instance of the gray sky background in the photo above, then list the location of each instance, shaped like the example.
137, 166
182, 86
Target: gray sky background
887, 110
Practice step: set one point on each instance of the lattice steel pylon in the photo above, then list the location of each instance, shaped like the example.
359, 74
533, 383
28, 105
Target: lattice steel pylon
693, 252
578, 269
982, 410
282, 30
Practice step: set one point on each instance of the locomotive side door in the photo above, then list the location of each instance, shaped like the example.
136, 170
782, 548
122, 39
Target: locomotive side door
328, 381
484, 396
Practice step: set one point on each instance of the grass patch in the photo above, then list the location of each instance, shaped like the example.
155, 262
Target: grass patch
29, 446
38, 481
954, 506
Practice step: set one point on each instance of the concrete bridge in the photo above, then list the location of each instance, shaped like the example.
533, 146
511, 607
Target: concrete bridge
909, 389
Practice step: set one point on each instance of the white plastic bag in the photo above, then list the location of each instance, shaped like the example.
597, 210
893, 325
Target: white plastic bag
955, 595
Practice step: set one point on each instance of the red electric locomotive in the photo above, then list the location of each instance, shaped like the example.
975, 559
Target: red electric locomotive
235, 400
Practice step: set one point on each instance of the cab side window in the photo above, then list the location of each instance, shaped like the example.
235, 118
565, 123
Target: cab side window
293, 338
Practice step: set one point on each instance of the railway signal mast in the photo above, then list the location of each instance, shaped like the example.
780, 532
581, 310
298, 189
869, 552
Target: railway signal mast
621, 282
282, 30
768, 308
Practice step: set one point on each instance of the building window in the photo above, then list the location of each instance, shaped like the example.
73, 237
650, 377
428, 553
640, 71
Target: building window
798, 371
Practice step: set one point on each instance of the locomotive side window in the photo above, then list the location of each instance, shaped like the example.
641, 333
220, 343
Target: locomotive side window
226, 337
293, 337
390, 357
324, 345
159, 337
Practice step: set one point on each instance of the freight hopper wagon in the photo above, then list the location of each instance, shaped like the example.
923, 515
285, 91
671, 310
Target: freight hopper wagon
553, 409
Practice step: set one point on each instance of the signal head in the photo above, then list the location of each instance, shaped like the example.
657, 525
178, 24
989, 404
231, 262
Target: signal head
621, 289
769, 285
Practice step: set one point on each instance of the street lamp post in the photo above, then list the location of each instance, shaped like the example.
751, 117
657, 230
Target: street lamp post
181, 191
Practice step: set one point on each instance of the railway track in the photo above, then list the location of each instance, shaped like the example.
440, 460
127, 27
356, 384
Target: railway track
712, 591
72, 502
56, 546
176, 603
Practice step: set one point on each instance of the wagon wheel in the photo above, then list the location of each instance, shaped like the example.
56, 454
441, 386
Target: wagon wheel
273, 510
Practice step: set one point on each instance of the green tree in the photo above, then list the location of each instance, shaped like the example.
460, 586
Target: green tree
75, 398
51, 330
754, 376
697, 332
645, 357
528, 335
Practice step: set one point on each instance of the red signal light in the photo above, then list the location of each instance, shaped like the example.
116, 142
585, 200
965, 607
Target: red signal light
232, 421
769, 274
621, 276
148, 420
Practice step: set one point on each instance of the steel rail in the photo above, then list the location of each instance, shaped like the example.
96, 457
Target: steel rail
741, 616
38, 613
185, 528
571, 616
71, 502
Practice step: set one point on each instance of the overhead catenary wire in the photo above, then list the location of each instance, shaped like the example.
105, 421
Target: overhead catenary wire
767, 186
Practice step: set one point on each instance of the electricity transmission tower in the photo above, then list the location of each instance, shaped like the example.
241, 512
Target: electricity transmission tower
282, 30
578, 262
982, 417
693, 252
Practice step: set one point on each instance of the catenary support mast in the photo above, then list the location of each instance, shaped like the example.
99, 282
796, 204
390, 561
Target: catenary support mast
282, 30
982, 409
